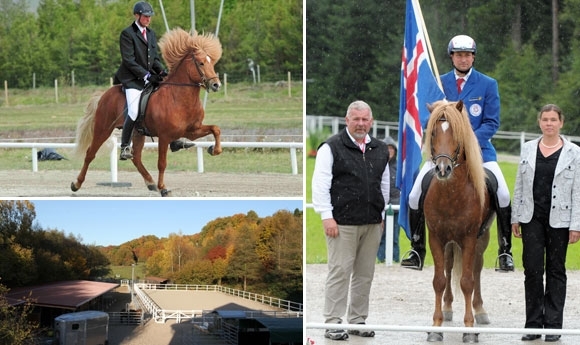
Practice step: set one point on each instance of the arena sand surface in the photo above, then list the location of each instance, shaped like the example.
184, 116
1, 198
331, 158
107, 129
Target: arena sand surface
50, 183
405, 297
171, 332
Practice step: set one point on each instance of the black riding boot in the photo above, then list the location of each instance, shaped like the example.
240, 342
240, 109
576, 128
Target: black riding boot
126, 135
417, 255
504, 236
181, 143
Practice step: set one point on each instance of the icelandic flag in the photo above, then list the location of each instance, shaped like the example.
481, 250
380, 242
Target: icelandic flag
418, 88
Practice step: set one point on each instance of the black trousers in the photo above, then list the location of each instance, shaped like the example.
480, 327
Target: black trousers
544, 247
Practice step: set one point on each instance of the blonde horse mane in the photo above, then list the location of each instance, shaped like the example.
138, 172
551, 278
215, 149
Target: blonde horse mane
464, 136
178, 43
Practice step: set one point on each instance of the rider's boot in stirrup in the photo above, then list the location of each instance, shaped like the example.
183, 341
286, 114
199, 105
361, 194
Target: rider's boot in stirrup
504, 236
126, 135
417, 254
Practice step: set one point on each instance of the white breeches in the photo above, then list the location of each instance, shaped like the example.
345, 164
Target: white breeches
503, 193
133, 96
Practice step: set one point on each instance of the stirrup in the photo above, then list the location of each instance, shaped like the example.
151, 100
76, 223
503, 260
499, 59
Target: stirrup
497, 268
126, 153
409, 252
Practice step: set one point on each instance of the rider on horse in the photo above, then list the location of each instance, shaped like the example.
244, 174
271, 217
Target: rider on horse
480, 95
140, 66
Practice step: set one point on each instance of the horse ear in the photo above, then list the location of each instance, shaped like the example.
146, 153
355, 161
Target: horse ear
459, 105
430, 107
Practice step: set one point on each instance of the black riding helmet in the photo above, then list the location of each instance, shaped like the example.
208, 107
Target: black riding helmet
143, 8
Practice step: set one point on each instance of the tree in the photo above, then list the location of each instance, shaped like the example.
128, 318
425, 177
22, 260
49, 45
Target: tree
15, 325
244, 262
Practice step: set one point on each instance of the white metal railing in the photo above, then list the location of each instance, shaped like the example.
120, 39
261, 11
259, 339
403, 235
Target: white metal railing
201, 146
161, 315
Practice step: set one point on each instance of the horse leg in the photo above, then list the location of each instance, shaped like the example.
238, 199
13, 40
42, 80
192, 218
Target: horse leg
204, 130
437, 251
448, 296
467, 283
138, 144
161, 165
481, 316
99, 137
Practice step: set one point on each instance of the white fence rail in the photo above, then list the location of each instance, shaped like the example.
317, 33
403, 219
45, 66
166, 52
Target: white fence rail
161, 315
201, 146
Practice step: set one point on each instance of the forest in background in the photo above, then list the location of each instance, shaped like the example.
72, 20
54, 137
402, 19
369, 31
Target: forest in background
353, 51
63, 36
243, 251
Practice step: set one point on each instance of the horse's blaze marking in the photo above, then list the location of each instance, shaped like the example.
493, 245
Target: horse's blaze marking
208, 58
445, 126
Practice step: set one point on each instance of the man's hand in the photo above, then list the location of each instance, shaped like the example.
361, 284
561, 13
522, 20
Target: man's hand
155, 79
330, 227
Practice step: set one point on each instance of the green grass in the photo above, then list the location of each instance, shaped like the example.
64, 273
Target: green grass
246, 113
261, 107
316, 244
124, 272
232, 160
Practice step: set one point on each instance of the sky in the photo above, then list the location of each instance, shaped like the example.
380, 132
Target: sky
114, 222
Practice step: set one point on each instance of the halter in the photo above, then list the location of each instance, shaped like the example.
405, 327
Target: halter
453, 159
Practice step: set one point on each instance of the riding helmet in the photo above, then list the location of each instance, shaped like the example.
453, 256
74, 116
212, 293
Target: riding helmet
461, 43
143, 8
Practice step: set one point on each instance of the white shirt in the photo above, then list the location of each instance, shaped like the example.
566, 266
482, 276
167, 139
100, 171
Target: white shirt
322, 180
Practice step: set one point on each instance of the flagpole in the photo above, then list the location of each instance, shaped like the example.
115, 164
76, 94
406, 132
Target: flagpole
428, 41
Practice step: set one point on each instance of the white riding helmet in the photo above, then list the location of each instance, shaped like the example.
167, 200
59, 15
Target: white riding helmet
461, 43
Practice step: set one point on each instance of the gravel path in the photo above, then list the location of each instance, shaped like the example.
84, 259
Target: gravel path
405, 297
50, 183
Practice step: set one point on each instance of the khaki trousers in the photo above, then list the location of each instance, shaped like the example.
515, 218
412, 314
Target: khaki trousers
351, 267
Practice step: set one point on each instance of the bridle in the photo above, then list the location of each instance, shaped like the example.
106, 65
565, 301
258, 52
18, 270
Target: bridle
453, 159
205, 82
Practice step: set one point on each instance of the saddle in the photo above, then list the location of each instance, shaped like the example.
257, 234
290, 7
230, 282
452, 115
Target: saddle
490, 182
143, 102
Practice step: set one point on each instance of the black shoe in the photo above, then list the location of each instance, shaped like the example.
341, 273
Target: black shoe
181, 143
552, 337
126, 153
413, 261
506, 263
529, 337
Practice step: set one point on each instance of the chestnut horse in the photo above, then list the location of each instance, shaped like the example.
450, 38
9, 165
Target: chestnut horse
174, 110
457, 213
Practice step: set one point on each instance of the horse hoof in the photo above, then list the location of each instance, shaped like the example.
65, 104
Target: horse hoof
434, 336
482, 319
447, 316
470, 338
165, 192
152, 187
73, 187
210, 150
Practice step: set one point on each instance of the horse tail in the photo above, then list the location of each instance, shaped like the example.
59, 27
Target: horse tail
86, 125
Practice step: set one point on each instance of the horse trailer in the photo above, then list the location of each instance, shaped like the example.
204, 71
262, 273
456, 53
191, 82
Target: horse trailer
83, 328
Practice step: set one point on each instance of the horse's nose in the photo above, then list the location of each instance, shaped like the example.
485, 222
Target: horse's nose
215, 86
443, 170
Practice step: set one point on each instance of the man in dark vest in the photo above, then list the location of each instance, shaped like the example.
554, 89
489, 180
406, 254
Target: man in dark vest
350, 185
140, 66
